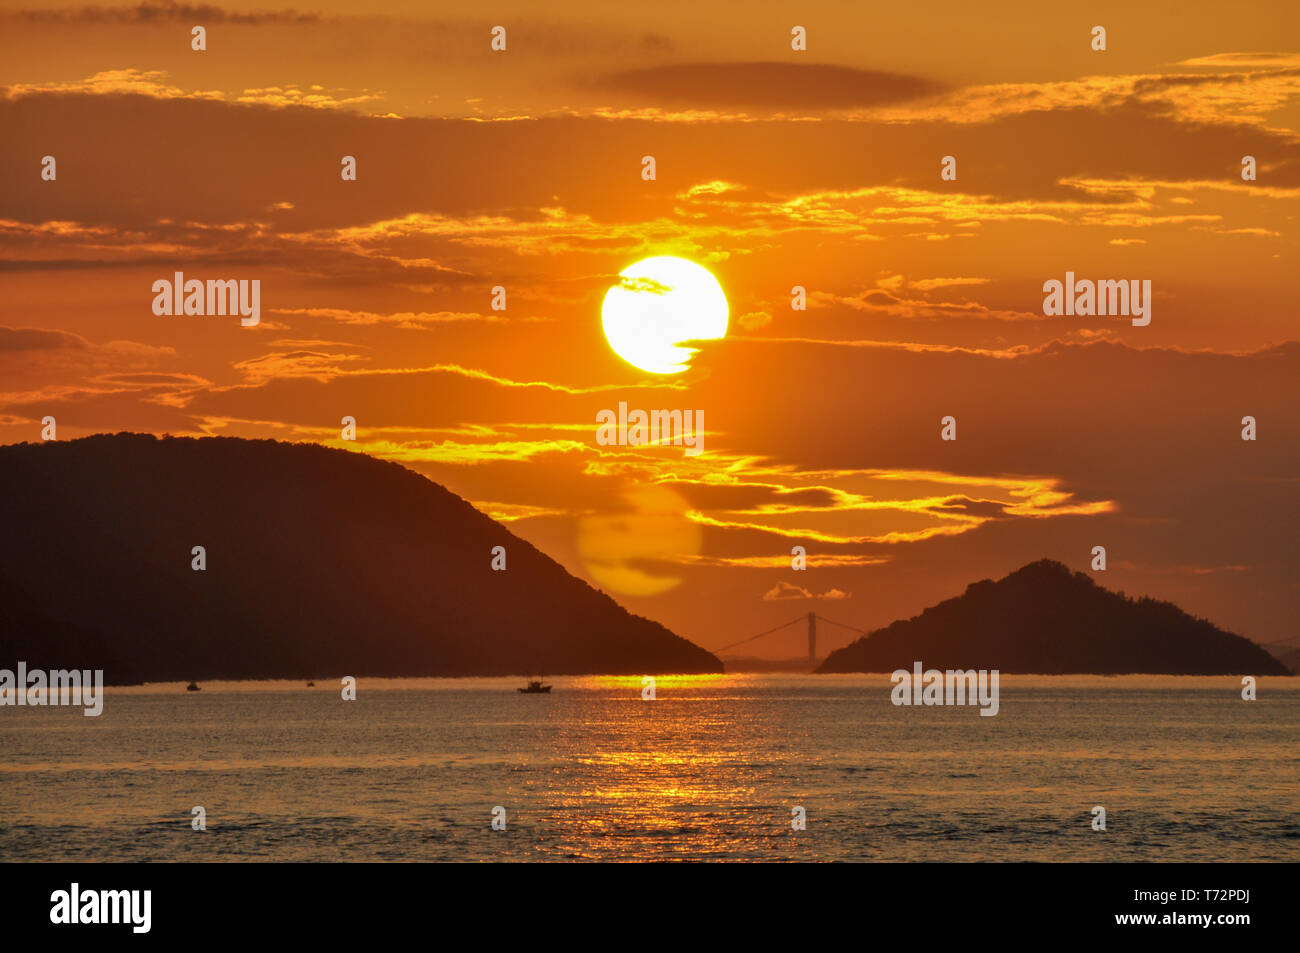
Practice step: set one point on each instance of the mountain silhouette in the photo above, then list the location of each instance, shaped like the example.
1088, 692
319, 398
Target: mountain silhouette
1044, 619
319, 563
1290, 657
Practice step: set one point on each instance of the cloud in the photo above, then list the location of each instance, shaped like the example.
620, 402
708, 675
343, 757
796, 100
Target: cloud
314, 97
1245, 60
109, 82
929, 284
772, 85
784, 590
37, 339
32, 359
1249, 95
887, 303
154, 84
313, 365
734, 189
403, 319
163, 11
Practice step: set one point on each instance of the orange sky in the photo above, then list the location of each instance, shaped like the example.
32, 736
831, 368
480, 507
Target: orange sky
775, 168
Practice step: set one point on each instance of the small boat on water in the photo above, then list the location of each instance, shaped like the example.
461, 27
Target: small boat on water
311, 684
534, 688
193, 687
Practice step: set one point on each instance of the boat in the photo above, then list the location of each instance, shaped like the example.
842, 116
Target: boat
193, 687
534, 688
311, 684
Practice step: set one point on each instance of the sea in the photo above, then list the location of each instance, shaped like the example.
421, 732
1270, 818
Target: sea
713, 768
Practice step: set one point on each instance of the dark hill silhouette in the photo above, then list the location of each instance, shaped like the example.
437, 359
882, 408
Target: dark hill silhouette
1043, 619
320, 563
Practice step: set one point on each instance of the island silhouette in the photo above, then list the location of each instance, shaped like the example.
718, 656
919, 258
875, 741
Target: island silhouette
1045, 619
322, 562
319, 563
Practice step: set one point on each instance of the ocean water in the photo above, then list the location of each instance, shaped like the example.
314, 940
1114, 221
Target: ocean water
709, 770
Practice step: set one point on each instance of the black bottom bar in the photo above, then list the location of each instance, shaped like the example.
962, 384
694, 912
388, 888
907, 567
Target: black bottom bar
953, 902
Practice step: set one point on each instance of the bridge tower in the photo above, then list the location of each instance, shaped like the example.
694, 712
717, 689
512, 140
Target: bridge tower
812, 637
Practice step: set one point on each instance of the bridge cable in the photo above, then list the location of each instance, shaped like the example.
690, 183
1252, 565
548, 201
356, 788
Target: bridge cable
760, 635
841, 624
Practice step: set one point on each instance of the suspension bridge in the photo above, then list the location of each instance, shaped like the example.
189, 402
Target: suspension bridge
811, 619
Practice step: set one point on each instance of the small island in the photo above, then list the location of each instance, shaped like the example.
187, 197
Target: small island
1045, 619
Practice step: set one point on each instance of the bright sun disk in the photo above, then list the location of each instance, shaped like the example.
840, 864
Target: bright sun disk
659, 303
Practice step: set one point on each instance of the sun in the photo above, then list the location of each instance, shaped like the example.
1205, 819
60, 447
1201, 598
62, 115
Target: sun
659, 303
